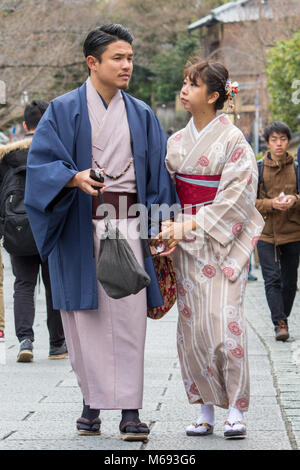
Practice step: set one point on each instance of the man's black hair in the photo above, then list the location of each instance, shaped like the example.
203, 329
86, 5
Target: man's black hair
33, 113
279, 128
98, 40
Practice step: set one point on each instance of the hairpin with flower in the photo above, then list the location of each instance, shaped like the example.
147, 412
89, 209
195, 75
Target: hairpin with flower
232, 89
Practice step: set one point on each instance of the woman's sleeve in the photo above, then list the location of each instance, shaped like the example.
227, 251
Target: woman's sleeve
234, 204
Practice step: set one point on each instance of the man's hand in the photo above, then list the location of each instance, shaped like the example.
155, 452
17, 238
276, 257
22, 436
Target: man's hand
291, 200
83, 181
283, 204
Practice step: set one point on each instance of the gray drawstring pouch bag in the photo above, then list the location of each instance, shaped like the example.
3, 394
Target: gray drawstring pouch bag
118, 270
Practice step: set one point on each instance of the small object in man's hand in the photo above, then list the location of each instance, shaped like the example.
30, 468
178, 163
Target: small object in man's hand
282, 197
97, 175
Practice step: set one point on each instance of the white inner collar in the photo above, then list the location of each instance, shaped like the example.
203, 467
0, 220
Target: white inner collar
197, 133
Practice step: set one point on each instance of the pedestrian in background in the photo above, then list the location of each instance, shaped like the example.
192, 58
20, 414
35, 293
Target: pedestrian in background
2, 314
13, 156
279, 245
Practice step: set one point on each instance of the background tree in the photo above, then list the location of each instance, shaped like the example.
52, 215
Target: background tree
169, 65
283, 69
41, 48
41, 43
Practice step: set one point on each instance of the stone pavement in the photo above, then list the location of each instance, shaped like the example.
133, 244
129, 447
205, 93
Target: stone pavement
40, 401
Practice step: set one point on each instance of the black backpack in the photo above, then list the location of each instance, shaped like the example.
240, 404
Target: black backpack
15, 230
261, 165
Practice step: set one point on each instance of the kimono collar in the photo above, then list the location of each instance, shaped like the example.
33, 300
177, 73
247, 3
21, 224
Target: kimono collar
95, 95
199, 133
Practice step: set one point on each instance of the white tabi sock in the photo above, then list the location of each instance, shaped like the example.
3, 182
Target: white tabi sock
234, 415
207, 415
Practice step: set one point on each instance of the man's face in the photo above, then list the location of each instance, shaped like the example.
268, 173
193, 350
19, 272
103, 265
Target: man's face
115, 68
278, 144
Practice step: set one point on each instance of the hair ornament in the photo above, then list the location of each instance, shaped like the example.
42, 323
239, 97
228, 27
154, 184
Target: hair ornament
232, 89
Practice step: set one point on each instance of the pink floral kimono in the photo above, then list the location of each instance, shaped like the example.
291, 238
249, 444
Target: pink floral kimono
216, 179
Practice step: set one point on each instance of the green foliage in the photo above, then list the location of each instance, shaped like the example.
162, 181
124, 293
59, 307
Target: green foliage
283, 69
169, 65
141, 83
162, 82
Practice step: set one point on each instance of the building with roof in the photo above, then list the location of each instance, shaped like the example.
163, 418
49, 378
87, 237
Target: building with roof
235, 12
240, 34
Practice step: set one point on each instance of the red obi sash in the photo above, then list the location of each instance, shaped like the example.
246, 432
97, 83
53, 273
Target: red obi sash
195, 191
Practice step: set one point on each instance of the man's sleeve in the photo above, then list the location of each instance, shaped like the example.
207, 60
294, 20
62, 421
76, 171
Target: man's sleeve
49, 167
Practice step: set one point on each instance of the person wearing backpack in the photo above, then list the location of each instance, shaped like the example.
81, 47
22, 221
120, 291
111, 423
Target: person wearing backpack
279, 245
18, 241
2, 321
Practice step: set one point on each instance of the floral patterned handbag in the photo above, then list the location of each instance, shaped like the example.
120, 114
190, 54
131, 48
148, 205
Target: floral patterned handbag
167, 283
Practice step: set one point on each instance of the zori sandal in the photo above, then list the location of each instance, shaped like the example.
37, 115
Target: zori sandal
88, 428
199, 429
133, 431
235, 430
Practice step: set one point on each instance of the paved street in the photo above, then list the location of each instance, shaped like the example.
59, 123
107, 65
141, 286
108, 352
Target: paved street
40, 401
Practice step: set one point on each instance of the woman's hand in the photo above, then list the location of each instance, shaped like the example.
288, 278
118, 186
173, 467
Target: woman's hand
83, 181
172, 233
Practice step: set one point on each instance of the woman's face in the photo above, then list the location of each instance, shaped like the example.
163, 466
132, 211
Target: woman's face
195, 98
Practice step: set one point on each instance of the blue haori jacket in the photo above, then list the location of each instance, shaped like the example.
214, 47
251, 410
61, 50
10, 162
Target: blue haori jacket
61, 218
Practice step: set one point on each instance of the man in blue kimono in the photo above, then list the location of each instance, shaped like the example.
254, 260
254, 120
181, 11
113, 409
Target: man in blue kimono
99, 125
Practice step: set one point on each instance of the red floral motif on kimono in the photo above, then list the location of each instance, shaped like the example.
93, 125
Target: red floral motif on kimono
190, 240
237, 228
237, 154
254, 241
203, 161
237, 352
249, 179
242, 404
207, 372
181, 289
209, 271
229, 272
234, 328
178, 137
194, 390
224, 120
186, 312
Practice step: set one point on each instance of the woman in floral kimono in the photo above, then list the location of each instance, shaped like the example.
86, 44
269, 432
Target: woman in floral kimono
215, 172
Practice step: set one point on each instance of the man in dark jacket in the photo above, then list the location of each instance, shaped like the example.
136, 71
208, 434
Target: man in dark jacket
26, 268
279, 245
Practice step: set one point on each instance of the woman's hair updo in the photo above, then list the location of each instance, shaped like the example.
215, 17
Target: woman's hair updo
213, 74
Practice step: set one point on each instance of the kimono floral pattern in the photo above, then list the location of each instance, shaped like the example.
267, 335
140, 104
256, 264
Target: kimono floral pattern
212, 272
203, 161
